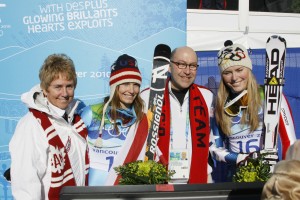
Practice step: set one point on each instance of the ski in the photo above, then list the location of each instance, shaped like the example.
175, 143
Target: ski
273, 84
161, 61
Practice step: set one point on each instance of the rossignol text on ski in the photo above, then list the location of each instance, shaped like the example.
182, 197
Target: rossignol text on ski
161, 61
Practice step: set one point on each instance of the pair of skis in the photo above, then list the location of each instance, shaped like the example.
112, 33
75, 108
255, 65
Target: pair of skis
161, 61
274, 81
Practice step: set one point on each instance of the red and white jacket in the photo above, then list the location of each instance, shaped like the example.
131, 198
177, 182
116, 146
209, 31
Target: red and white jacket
47, 152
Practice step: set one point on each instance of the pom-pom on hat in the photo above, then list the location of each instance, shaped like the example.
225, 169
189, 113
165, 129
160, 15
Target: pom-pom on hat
232, 55
124, 69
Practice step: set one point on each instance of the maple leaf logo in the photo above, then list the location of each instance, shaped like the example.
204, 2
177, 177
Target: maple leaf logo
57, 159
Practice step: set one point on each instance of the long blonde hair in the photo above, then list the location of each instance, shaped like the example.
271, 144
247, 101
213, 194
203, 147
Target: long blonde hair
249, 117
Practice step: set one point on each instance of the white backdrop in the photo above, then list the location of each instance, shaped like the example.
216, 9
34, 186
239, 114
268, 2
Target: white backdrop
208, 29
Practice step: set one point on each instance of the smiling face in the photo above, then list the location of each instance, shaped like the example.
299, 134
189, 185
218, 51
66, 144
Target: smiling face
236, 78
60, 92
127, 92
183, 78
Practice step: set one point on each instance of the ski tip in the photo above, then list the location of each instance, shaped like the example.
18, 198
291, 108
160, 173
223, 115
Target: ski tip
162, 50
275, 37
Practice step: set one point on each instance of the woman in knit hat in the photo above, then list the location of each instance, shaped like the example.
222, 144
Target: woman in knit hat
114, 124
239, 111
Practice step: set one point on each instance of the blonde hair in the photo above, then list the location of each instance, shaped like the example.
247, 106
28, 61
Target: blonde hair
249, 117
54, 66
284, 182
293, 152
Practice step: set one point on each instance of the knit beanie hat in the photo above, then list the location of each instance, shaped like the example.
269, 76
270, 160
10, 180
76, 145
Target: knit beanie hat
125, 69
232, 55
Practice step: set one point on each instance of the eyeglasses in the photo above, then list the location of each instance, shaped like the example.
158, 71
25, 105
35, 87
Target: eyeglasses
235, 106
181, 65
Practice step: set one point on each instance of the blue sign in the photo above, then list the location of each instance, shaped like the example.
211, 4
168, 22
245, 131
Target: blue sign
92, 32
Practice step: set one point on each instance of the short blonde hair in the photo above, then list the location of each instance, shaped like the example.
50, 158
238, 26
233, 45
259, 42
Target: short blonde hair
54, 66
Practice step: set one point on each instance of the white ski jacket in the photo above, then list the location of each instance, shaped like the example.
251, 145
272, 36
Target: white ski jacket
29, 149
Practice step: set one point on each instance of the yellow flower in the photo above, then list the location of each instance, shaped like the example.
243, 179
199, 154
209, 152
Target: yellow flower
254, 170
143, 172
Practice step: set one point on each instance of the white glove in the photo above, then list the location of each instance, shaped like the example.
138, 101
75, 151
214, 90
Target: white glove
242, 159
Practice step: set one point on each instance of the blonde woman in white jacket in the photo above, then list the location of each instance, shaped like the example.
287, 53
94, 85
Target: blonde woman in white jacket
48, 149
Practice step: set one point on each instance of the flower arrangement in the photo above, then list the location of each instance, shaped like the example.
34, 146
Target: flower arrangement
256, 169
143, 172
